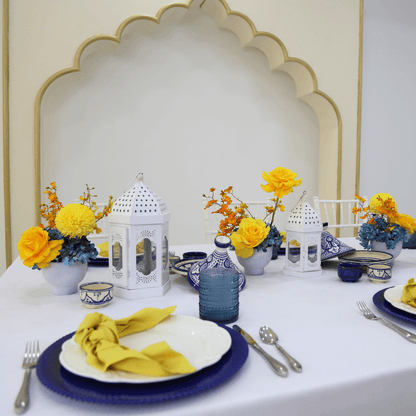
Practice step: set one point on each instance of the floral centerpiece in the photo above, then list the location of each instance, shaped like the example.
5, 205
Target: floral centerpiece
64, 239
247, 233
384, 222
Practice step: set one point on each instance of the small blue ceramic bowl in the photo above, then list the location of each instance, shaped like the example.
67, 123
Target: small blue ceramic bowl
96, 294
191, 255
379, 273
350, 272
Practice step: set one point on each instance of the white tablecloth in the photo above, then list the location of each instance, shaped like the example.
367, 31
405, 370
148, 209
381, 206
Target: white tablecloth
351, 366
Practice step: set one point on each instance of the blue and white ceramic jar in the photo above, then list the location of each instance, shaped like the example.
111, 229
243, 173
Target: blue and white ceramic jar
219, 258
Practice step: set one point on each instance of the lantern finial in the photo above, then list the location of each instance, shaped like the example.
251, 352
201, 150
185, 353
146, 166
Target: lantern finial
140, 176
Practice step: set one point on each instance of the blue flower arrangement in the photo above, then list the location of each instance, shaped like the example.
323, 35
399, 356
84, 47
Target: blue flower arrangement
375, 231
73, 249
384, 222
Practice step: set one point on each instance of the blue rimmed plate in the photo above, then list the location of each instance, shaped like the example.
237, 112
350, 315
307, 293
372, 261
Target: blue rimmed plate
386, 307
53, 376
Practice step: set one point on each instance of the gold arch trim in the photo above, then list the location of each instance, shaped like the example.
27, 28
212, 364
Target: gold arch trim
246, 31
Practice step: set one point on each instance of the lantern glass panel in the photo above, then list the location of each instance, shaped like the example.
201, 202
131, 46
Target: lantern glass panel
312, 253
146, 263
294, 251
117, 256
165, 253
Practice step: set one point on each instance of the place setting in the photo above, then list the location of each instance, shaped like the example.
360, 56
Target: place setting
202, 354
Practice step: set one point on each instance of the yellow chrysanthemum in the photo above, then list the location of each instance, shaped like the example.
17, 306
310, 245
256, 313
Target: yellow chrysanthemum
376, 203
75, 220
35, 248
250, 234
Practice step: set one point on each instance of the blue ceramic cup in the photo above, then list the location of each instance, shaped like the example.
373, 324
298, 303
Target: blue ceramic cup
379, 273
350, 272
218, 295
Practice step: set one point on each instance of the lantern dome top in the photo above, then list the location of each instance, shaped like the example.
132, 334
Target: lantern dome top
303, 218
139, 200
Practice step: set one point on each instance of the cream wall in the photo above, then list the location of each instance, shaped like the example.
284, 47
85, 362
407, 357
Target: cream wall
389, 101
46, 36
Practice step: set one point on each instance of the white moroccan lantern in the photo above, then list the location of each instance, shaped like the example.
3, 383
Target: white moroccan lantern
305, 227
138, 243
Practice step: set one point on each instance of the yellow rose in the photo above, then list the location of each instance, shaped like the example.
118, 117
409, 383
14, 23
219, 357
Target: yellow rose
376, 203
35, 248
250, 234
75, 220
281, 181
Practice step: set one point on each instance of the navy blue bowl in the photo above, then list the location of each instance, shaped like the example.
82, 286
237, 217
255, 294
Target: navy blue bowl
350, 272
191, 255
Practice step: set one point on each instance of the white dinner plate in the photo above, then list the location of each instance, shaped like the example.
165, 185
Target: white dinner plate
203, 343
394, 294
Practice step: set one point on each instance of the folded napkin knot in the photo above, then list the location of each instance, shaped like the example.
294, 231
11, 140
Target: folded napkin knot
99, 336
409, 293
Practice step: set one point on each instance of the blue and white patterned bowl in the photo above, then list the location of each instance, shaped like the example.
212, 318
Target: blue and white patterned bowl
379, 273
96, 294
350, 272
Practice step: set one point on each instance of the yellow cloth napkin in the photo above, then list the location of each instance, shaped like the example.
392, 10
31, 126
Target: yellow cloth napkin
104, 249
409, 293
99, 336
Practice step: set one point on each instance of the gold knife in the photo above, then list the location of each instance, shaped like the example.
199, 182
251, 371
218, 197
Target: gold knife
278, 367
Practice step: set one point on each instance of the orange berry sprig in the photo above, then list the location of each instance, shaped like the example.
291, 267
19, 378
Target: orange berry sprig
233, 217
361, 207
49, 212
86, 199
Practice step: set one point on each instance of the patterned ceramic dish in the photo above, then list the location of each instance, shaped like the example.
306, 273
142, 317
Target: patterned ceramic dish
96, 294
379, 273
365, 258
181, 267
350, 272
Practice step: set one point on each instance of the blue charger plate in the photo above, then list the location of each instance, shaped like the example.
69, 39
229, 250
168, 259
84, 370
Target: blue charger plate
56, 378
382, 304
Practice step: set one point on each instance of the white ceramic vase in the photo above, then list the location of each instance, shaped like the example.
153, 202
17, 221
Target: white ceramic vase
381, 246
64, 279
256, 263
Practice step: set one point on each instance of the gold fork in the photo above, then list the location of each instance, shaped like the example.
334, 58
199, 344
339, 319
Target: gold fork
30, 360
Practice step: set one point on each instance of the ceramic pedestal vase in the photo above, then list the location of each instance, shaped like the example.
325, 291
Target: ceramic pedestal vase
64, 279
256, 263
381, 246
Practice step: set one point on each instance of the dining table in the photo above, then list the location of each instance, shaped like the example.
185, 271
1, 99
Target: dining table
350, 365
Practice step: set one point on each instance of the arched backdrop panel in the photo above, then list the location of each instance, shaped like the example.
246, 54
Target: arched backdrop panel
188, 106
